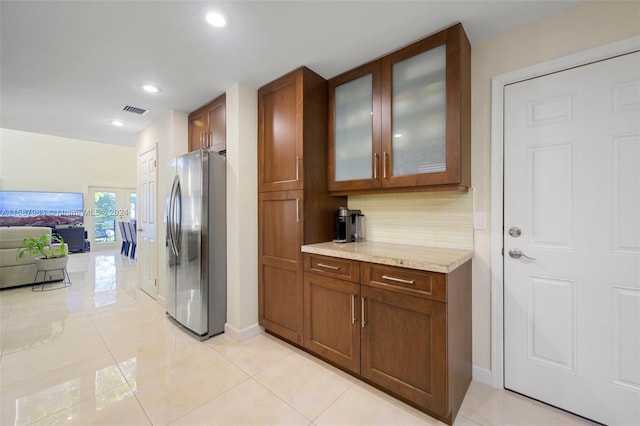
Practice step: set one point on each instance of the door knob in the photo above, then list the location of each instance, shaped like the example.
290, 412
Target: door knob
517, 254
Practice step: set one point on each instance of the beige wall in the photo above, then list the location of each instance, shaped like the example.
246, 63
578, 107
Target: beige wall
36, 162
169, 135
586, 26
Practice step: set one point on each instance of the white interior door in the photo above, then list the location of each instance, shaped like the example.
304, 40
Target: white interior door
146, 221
572, 204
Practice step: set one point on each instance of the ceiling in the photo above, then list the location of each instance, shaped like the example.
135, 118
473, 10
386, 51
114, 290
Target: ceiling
67, 67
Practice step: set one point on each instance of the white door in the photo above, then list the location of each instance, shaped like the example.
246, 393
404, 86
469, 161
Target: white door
146, 222
572, 204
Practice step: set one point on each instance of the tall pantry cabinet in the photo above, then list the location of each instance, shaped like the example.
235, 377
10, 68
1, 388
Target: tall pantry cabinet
294, 207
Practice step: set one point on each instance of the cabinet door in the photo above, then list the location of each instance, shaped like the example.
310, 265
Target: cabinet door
280, 263
197, 129
280, 134
331, 320
354, 129
217, 125
422, 110
404, 346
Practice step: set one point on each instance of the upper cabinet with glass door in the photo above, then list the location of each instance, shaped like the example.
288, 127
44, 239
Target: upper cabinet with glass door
354, 122
419, 134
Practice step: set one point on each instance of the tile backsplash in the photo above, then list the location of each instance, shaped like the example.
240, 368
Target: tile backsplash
442, 219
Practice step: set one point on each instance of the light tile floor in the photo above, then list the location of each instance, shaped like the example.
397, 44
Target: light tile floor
103, 352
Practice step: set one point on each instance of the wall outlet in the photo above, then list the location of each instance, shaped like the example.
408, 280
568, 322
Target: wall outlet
480, 220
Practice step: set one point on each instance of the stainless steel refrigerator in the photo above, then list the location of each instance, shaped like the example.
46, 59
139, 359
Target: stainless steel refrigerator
196, 243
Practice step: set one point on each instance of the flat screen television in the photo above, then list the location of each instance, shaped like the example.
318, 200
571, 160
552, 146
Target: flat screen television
30, 208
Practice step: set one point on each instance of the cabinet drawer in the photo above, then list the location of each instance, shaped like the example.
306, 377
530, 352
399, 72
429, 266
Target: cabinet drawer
430, 285
332, 267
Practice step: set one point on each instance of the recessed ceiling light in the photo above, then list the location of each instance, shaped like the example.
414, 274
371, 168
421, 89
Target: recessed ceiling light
150, 88
216, 19
117, 123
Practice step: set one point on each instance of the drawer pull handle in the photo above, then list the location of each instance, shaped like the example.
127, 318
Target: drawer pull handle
335, 268
398, 280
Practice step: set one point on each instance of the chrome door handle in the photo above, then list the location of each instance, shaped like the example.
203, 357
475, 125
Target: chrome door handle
353, 309
375, 165
517, 254
384, 165
297, 167
362, 311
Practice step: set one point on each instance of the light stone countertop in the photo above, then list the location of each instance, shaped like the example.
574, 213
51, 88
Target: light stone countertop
433, 259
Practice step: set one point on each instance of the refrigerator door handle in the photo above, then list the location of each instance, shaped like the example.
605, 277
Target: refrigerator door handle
172, 207
178, 220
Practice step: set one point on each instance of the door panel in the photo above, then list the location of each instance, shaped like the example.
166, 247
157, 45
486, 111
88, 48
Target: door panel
572, 188
410, 329
332, 319
280, 301
280, 156
146, 211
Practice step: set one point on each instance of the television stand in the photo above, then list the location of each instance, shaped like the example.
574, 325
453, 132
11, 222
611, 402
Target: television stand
74, 237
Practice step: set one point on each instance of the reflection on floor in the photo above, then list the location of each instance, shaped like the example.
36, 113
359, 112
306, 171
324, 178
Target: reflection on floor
101, 351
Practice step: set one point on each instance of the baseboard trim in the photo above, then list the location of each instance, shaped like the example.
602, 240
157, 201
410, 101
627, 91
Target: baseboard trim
242, 334
482, 375
161, 301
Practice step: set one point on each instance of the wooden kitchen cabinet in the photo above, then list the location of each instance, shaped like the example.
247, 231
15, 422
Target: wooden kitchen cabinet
207, 126
404, 346
332, 309
403, 122
280, 234
416, 339
332, 319
407, 331
294, 206
292, 120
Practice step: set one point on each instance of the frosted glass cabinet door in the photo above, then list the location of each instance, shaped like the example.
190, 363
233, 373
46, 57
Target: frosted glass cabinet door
419, 114
353, 130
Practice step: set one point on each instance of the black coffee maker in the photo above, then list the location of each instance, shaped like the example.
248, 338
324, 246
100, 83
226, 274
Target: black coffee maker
349, 226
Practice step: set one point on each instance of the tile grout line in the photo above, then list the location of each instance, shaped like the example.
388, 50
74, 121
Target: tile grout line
211, 400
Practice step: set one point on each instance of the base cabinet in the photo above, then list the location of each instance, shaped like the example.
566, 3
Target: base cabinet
406, 331
404, 346
331, 319
280, 273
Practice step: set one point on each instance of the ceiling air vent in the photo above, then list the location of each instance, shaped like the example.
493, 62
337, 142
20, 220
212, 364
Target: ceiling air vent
134, 110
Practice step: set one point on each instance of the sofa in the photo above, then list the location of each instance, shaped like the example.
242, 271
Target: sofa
14, 271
